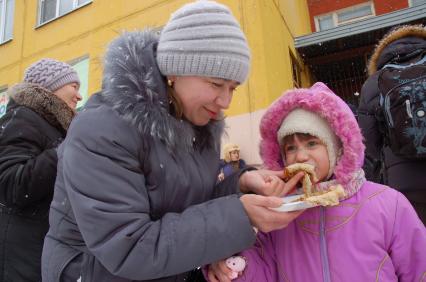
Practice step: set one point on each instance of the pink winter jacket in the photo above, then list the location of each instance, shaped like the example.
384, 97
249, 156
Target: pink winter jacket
373, 236
374, 233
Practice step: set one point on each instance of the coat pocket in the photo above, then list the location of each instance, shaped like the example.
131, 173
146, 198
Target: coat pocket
71, 271
55, 259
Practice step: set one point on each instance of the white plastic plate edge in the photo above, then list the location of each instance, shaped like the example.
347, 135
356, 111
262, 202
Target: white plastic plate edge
289, 204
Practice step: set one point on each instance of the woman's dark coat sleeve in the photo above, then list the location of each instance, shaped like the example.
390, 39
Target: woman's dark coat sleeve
368, 113
27, 161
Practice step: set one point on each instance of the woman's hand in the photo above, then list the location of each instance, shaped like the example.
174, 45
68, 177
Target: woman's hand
219, 272
258, 209
268, 182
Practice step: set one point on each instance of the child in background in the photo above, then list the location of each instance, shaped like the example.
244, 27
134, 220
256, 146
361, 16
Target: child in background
374, 233
231, 161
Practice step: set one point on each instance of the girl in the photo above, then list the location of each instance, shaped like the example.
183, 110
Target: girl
374, 233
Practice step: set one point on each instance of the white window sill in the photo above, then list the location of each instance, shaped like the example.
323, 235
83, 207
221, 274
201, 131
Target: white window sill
54, 19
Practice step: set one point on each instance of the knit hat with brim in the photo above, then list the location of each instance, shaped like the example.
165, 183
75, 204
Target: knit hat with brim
203, 38
303, 121
51, 74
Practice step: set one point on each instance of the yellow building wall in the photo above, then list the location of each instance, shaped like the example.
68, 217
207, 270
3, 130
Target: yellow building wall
270, 26
11, 52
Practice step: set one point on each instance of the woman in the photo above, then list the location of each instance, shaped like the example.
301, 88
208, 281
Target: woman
135, 197
37, 118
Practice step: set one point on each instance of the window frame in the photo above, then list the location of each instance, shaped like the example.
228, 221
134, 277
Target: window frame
410, 3
3, 20
86, 95
3, 91
75, 6
296, 70
335, 14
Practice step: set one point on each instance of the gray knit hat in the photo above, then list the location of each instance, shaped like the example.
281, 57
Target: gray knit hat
50, 74
203, 38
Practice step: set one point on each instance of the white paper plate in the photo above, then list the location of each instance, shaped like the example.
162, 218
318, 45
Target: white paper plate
290, 204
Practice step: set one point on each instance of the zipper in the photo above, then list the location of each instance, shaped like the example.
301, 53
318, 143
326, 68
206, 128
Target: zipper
323, 248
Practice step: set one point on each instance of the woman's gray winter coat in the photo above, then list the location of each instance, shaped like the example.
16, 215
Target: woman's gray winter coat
135, 198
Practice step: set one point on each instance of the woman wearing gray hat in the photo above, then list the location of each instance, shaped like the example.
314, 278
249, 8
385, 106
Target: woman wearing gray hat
37, 118
135, 198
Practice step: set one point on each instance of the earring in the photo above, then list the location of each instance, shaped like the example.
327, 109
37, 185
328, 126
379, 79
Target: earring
170, 82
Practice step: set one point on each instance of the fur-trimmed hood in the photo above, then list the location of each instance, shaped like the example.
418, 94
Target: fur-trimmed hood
134, 86
55, 111
397, 43
321, 100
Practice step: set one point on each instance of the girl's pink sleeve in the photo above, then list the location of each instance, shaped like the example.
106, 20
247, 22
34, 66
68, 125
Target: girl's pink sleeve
408, 245
261, 260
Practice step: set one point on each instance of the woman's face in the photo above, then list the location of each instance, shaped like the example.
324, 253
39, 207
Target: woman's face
310, 150
69, 94
203, 98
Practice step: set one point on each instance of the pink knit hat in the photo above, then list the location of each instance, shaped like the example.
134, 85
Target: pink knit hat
320, 100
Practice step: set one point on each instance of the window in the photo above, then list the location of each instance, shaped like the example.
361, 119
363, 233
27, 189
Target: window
417, 2
4, 99
326, 22
354, 13
52, 9
348, 15
81, 66
7, 8
296, 71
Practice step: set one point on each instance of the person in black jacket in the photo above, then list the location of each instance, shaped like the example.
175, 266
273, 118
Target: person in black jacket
37, 118
404, 44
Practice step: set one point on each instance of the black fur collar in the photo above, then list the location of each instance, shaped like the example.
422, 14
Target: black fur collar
134, 86
43, 102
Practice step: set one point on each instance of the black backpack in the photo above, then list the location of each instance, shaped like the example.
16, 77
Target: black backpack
403, 106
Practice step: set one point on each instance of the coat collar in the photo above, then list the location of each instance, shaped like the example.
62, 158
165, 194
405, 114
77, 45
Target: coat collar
414, 35
55, 111
134, 86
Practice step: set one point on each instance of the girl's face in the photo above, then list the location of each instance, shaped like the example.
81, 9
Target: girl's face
203, 98
305, 148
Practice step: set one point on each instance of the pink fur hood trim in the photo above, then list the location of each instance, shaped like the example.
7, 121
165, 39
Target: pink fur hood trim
321, 100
